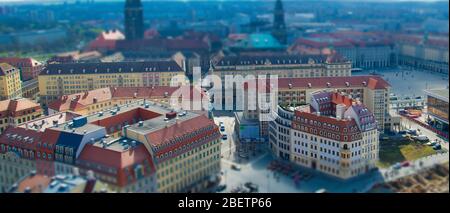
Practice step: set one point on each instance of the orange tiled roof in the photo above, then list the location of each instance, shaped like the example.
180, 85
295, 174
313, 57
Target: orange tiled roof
12, 107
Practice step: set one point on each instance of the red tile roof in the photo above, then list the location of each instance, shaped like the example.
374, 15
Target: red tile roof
20, 62
349, 125
129, 117
373, 82
19, 141
16, 106
120, 160
337, 98
81, 100
162, 136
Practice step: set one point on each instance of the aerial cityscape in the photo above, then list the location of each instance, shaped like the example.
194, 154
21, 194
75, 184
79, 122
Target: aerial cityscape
276, 96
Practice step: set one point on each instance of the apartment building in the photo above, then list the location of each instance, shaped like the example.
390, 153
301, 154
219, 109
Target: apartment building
29, 67
135, 147
285, 66
10, 84
57, 80
18, 111
334, 134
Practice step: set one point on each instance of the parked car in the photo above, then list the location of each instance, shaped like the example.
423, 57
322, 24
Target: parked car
397, 166
411, 131
224, 137
402, 132
221, 187
251, 186
437, 147
222, 128
236, 167
431, 143
243, 155
405, 164
421, 138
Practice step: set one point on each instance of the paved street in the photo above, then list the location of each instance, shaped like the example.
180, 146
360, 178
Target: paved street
412, 82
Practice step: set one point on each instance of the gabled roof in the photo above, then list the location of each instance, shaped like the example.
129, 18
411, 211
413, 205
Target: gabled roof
12, 107
25, 62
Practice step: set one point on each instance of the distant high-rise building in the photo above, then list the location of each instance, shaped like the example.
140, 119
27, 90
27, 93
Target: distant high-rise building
279, 26
134, 20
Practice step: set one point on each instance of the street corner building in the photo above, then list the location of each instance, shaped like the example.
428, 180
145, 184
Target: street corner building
135, 147
334, 134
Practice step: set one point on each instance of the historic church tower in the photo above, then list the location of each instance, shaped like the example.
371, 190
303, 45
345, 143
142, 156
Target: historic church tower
279, 26
134, 20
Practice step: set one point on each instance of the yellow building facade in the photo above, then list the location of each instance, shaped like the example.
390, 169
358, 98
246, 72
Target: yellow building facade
63, 79
10, 84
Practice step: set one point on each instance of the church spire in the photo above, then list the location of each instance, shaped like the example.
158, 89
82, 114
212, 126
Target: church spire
279, 26
134, 20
